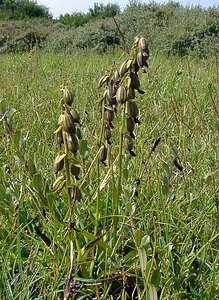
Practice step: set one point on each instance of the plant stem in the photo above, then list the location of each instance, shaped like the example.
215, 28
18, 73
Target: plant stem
98, 176
119, 187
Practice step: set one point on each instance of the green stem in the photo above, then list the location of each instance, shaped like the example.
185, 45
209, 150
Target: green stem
119, 187
98, 177
68, 190
67, 174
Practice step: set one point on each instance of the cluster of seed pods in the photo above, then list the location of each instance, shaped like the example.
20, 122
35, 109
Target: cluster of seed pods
68, 142
121, 88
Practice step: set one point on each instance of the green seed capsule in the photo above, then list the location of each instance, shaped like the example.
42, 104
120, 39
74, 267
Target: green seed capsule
116, 76
107, 133
132, 109
59, 137
143, 45
77, 194
73, 144
130, 124
75, 170
141, 59
135, 83
58, 163
128, 142
124, 68
109, 115
121, 94
75, 115
68, 96
68, 123
103, 153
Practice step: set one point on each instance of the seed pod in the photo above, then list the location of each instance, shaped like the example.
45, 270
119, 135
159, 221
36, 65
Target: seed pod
100, 105
130, 124
141, 59
143, 45
130, 93
58, 184
77, 194
128, 142
135, 83
75, 115
59, 163
68, 96
110, 96
109, 115
132, 109
136, 67
59, 137
75, 170
73, 144
103, 80
121, 94
124, 68
103, 153
116, 76
107, 134
68, 123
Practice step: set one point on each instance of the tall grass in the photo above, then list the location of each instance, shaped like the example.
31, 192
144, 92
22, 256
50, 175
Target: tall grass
167, 235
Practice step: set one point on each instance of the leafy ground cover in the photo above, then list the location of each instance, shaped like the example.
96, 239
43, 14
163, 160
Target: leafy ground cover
166, 244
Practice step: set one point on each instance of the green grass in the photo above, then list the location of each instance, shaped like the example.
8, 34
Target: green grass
169, 231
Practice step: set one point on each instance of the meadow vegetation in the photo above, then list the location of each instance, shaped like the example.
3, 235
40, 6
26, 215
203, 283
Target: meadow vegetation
118, 211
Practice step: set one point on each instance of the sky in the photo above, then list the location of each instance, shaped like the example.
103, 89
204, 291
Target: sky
57, 7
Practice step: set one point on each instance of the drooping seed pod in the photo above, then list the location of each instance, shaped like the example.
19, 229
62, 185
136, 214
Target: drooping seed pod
141, 59
75, 115
108, 115
107, 134
68, 96
68, 123
59, 163
73, 144
103, 79
103, 153
130, 93
111, 99
130, 124
100, 105
143, 45
128, 142
135, 83
58, 184
75, 170
136, 66
132, 109
123, 68
77, 196
116, 76
59, 137
121, 94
